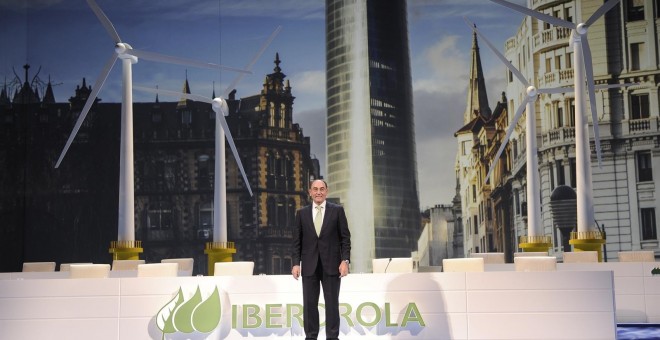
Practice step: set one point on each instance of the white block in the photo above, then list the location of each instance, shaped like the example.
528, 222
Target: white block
89, 271
240, 268
158, 269
38, 266
535, 263
463, 265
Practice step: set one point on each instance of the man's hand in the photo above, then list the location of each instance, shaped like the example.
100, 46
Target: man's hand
295, 271
343, 269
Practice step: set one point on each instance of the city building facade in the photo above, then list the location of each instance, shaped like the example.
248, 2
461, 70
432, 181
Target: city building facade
69, 214
624, 48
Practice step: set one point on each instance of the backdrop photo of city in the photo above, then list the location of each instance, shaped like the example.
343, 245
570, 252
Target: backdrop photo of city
400, 106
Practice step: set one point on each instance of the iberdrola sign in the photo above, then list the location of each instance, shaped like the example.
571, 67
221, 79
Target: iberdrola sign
203, 314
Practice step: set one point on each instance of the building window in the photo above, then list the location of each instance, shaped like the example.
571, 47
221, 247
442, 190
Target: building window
156, 117
186, 117
649, 231
571, 112
637, 56
552, 177
635, 10
560, 116
474, 193
561, 177
271, 208
573, 169
291, 215
644, 166
516, 201
277, 265
639, 106
568, 16
159, 216
281, 212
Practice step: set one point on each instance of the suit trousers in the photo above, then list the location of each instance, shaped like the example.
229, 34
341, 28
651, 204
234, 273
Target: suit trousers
311, 290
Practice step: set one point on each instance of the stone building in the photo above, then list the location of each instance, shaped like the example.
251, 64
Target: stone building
624, 48
69, 214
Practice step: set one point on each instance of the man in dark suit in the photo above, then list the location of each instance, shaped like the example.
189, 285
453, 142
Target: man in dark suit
322, 242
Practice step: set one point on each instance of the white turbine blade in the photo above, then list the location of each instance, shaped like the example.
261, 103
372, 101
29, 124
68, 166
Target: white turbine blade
602, 10
588, 69
552, 90
88, 105
249, 66
190, 96
538, 15
181, 61
104, 21
509, 131
221, 116
506, 62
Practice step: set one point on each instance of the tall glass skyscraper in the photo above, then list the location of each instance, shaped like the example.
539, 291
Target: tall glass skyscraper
370, 129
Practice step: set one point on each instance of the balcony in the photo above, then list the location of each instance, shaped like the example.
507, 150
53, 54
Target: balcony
558, 78
540, 4
551, 38
642, 126
559, 136
510, 45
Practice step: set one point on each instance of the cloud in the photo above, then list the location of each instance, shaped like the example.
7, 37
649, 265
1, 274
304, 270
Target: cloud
313, 122
435, 169
309, 82
449, 66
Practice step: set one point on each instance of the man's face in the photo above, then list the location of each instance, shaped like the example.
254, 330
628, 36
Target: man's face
318, 191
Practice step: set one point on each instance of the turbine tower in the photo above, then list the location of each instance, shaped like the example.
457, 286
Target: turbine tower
126, 247
220, 250
535, 240
587, 237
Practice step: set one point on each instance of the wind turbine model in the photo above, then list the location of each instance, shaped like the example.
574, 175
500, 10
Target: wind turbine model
534, 226
128, 56
583, 68
219, 106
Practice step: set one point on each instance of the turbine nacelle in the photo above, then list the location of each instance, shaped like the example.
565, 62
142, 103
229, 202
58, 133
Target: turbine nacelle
581, 28
219, 105
532, 92
121, 48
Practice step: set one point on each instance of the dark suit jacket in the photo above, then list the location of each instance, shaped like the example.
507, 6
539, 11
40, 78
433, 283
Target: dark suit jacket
332, 246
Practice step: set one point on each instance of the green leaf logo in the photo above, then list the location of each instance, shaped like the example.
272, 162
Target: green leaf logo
183, 314
165, 314
189, 316
206, 315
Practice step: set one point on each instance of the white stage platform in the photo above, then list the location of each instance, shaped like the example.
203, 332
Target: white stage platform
487, 305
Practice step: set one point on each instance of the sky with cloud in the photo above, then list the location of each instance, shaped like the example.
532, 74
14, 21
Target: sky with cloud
64, 39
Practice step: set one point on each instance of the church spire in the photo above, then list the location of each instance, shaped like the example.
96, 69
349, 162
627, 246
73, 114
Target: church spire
49, 96
477, 98
183, 102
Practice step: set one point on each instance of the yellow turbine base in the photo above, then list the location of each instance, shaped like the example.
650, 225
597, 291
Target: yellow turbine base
530, 244
218, 252
534, 247
126, 250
